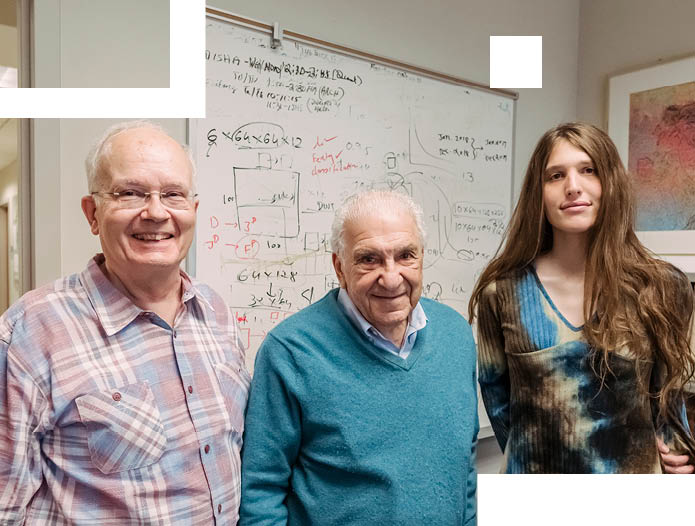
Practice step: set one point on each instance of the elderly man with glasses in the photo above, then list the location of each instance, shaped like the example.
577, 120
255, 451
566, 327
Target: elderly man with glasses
123, 388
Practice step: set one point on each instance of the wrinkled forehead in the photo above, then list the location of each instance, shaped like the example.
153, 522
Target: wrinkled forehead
393, 225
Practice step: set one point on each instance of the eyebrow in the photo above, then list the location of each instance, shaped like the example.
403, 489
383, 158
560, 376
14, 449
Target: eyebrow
139, 184
410, 247
361, 252
561, 166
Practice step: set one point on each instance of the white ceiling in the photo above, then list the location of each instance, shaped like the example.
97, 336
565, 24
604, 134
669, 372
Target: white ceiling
8, 141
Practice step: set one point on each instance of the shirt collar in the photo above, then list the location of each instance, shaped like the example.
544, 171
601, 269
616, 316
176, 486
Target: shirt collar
416, 321
113, 308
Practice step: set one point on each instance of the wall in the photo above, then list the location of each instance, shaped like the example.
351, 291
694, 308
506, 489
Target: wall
101, 44
8, 34
97, 53
617, 36
8, 46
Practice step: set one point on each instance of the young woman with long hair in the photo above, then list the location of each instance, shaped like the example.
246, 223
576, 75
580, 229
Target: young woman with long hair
583, 335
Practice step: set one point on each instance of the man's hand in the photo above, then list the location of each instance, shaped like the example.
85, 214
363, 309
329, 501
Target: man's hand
677, 464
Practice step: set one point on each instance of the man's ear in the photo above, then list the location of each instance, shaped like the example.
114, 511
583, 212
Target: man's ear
338, 266
89, 207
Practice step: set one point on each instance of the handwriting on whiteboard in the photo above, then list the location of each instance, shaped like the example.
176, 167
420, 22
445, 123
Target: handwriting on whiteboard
291, 132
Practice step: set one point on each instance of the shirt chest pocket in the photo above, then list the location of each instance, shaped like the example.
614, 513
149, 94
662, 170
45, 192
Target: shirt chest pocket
124, 427
234, 382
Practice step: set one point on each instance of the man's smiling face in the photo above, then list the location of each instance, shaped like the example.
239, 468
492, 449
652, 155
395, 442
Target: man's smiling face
152, 237
381, 268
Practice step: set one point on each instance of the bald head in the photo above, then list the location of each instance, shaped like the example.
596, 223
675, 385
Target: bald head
142, 140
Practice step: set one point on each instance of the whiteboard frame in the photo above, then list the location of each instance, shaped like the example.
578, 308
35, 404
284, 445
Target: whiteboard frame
227, 17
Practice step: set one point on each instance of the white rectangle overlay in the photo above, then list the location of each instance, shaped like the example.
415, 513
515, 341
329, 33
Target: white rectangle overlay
185, 96
516, 62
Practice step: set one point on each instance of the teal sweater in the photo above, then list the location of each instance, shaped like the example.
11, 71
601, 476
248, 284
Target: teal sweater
341, 432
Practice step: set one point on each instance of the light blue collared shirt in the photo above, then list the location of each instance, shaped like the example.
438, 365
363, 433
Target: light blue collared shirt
416, 321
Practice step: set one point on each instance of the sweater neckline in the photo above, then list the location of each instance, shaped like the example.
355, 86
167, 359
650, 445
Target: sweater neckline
547, 297
372, 350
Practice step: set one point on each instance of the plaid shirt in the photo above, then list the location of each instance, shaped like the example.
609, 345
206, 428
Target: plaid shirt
110, 416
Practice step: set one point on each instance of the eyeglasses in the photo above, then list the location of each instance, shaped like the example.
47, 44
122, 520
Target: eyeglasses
132, 198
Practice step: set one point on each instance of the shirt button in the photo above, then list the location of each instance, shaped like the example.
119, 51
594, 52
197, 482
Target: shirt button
116, 396
206, 449
174, 333
219, 508
190, 389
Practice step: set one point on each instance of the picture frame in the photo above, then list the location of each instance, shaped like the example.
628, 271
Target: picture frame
677, 246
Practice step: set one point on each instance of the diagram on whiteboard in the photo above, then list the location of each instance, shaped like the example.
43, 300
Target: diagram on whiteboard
292, 132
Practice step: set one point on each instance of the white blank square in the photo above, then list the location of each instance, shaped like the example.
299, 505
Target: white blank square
516, 62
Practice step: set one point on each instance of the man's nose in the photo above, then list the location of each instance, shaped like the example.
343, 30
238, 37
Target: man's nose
154, 209
390, 275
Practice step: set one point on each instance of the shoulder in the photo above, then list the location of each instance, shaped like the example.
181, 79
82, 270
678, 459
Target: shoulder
322, 315
505, 285
674, 280
436, 309
44, 306
305, 337
679, 278
442, 316
217, 315
210, 296
42, 321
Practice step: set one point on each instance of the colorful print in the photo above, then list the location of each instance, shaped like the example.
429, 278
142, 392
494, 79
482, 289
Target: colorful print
661, 157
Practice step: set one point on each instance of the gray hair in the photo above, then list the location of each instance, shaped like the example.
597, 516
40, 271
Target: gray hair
102, 148
366, 203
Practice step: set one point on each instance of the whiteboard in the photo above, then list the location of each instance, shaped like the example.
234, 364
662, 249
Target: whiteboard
291, 132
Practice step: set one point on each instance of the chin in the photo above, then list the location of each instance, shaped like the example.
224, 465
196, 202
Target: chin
393, 318
575, 227
162, 262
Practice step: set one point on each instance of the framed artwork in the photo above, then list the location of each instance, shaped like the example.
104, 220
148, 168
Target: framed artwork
652, 121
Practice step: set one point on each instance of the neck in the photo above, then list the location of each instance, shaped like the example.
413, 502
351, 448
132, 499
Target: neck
159, 292
394, 334
569, 252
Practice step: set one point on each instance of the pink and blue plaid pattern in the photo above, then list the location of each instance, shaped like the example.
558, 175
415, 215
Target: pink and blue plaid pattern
109, 416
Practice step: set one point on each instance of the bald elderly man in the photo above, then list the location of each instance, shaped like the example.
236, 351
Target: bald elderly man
363, 405
123, 387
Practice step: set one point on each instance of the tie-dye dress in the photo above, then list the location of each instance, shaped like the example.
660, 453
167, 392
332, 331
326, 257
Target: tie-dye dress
546, 404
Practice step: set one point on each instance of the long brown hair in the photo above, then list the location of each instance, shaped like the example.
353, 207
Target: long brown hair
631, 298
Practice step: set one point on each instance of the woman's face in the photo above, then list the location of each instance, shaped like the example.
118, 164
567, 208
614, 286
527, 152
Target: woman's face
571, 189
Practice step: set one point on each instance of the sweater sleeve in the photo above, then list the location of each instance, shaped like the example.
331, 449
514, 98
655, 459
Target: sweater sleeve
493, 373
272, 437
472, 479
